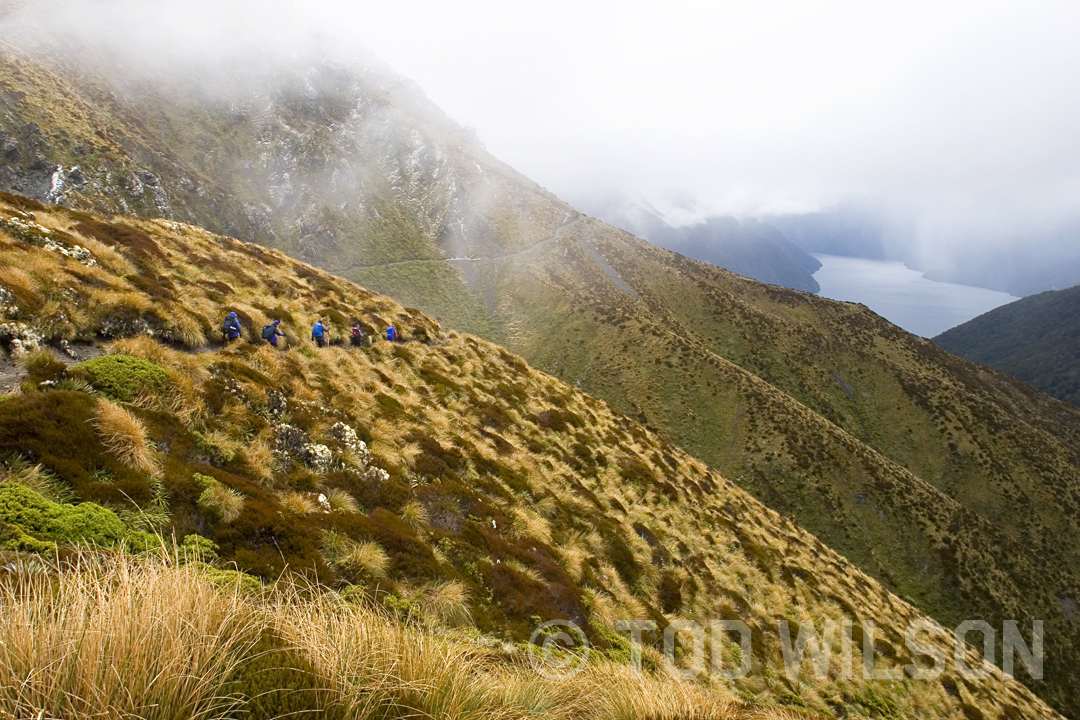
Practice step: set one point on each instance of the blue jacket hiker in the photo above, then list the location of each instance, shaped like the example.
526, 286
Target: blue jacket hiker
230, 329
318, 333
271, 332
391, 334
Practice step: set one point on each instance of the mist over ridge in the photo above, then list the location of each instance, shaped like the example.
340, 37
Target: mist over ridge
957, 123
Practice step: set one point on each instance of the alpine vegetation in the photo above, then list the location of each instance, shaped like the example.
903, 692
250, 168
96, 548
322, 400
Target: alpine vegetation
420, 527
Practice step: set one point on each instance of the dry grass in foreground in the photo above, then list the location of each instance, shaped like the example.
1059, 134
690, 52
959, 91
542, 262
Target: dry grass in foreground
118, 638
113, 636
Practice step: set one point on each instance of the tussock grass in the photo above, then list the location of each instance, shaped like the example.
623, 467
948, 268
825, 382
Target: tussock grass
341, 501
528, 523
447, 603
15, 279
116, 637
415, 514
124, 435
223, 503
259, 454
379, 668
368, 557
16, 469
297, 503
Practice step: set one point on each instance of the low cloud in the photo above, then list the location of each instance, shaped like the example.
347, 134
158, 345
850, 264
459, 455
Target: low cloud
958, 120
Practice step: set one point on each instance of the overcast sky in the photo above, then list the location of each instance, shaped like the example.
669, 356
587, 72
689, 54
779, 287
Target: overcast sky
967, 112
962, 116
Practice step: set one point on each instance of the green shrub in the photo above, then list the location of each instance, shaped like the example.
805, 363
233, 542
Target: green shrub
233, 580
196, 547
277, 681
123, 377
85, 524
203, 482
140, 541
12, 537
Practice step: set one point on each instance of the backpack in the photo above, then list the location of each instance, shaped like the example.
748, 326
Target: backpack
357, 332
268, 332
227, 325
391, 334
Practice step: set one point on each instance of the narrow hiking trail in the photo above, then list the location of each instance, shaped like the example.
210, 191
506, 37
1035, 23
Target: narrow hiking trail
490, 258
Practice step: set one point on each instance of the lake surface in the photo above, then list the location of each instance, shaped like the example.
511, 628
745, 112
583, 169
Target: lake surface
903, 296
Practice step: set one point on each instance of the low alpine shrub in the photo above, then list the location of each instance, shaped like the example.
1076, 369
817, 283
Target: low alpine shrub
123, 377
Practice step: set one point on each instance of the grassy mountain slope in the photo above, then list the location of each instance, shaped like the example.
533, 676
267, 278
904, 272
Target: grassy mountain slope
475, 490
1035, 339
944, 480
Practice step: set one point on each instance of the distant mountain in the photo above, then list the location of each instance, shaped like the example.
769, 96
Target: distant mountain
751, 248
848, 229
1024, 267
1030, 263
1036, 339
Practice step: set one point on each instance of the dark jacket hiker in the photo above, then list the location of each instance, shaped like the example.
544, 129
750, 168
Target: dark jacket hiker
270, 333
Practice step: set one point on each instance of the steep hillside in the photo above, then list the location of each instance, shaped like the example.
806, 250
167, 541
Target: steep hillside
942, 479
1036, 339
440, 478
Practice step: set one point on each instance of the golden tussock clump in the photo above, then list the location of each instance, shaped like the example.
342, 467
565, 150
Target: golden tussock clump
447, 602
12, 278
222, 502
528, 523
368, 557
259, 455
415, 514
341, 501
124, 436
297, 503
119, 638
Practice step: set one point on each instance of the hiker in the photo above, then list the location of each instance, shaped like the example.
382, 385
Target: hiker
391, 334
357, 337
230, 329
318, 333
271, 332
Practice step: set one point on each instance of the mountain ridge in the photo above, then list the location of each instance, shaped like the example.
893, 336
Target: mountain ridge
1033, 339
